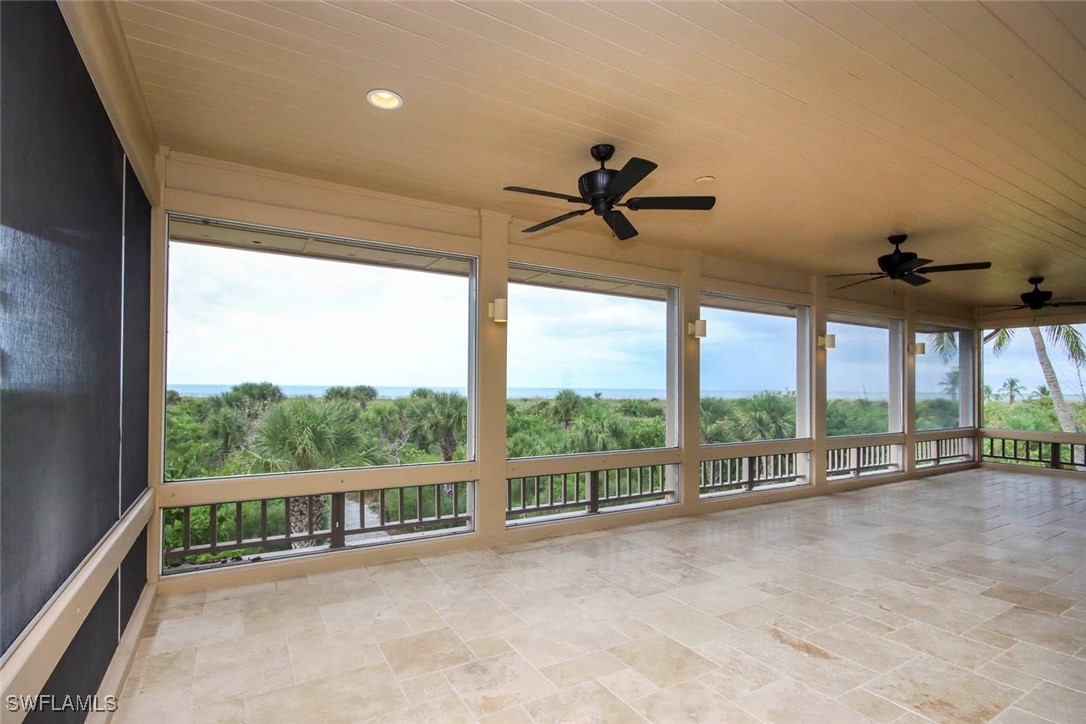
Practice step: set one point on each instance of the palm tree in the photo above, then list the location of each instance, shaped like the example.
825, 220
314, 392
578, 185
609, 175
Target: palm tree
1066, 338
951, 384
303, 433
229, 425
566, 405
441, 417
393, 424
362, 394
598, 428
763, 416
1012, 386
1040, 392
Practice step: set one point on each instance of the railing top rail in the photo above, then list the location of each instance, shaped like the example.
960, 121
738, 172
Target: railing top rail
316, 482
1035, 435
721, 451
586, 462
948, 433
882, 438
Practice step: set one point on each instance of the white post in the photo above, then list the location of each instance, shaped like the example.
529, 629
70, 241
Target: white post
489, 376
908, 385
816, 371
689, 380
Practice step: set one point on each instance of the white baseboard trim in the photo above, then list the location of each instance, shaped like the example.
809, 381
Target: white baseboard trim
119, 666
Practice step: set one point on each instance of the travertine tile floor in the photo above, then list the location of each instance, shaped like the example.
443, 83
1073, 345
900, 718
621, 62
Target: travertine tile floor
956, 598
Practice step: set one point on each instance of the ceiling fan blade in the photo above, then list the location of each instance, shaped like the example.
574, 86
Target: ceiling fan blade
955, 267
915, 280
555, 220
862, 281
1066, 304
631, 174
551, 194
857, 274
620, 225
912, 264
688, 203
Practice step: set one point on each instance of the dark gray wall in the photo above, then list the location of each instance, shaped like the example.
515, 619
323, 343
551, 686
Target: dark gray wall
75, 253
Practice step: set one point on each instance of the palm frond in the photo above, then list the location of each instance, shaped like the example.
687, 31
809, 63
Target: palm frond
1069, 340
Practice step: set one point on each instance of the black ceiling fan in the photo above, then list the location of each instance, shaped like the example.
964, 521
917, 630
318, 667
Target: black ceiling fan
602, 190
908, 267
1038, 298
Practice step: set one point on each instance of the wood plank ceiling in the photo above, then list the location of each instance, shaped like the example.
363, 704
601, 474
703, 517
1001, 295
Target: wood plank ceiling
826, 125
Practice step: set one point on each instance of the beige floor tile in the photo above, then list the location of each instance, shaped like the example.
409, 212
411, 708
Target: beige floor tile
1055, 703
447, 710
349, 696
1053, 666
242, 666
583, 668
690, 701
173, 634
942, 644
159, 707
686, 625
367, 613
501, 682
588, 702
873, 707
476, 614
717, 597
172, 670
820, 669
867, 650
627, 684
426, 687
315, 653
737, 674
1029, 598
662, 660
943, 692
810, 611
563, 639
1014, 715
487, 646
789, 702
1038, 627
1011, 677
417, 654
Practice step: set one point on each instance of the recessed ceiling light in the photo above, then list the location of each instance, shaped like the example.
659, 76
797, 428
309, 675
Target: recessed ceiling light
704, 179
386, 100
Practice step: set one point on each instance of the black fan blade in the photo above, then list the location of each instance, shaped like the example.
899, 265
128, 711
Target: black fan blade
687, 203
915, 280
912, 264
857, 274
862, 281
555, 220
631, 174
1066, 304
552, 194
955, 267
620, 225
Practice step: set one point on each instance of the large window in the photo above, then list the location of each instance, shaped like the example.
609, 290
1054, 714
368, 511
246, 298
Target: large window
753, 370
863, 375
1035, 378
944, 375
588, 364
288, 353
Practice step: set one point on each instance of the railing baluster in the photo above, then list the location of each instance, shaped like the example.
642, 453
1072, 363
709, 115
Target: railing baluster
238, 531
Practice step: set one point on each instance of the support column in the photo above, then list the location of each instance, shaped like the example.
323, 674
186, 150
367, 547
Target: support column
156, 377
816, 371
488, 375
908, 385
689, 380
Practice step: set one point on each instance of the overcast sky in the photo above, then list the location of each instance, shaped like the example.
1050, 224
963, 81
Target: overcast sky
237, 316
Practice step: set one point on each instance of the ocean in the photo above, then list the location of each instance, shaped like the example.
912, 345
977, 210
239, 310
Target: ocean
529, 392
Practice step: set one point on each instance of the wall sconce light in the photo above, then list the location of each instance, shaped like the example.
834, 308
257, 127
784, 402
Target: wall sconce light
696, 328
499, 310
919, 348
827, 341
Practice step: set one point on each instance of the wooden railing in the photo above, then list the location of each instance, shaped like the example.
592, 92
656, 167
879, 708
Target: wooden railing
862, 455
1054, 450
745, 467
944, 447
539, 489
196, 536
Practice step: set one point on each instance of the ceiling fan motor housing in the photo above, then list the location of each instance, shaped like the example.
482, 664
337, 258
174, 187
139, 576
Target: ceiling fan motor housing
593, 189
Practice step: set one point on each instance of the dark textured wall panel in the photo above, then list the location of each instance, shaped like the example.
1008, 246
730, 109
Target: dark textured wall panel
133, 577
85, 662
60, 187
137, 320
